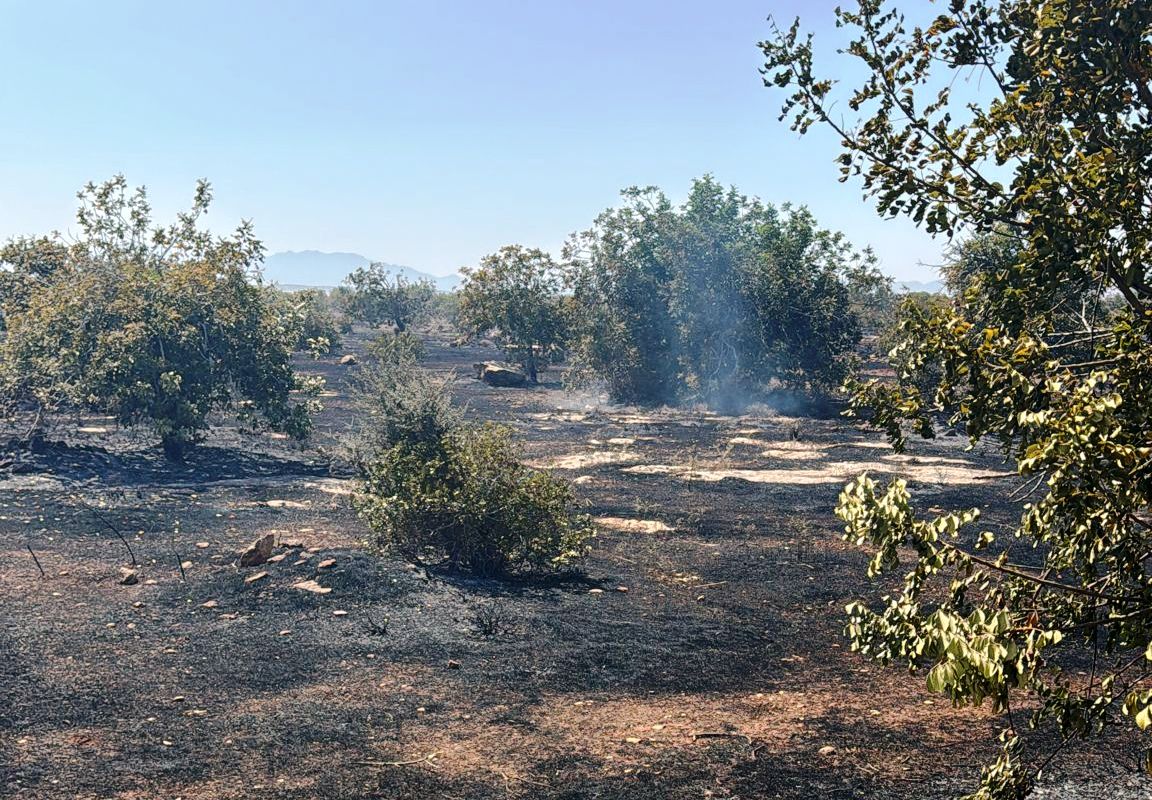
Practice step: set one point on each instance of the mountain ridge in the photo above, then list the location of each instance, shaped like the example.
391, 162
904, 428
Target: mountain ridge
325, 270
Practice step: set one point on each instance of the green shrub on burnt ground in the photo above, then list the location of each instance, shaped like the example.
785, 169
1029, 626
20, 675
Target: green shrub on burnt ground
156, 326
433, 487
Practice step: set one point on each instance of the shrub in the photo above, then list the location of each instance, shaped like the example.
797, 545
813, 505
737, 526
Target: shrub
433, 486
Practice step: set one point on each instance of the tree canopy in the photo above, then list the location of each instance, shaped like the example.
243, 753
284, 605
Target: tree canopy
516, 294
1054, 162
375, 296
155, 325
714, 299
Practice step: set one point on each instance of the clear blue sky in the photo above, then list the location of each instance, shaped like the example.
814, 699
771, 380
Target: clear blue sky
422, 133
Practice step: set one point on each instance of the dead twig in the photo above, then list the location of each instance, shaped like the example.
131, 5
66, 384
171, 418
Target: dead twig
721, 735
34, 558
428, 758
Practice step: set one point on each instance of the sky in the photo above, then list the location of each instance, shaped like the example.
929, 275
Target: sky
426, 133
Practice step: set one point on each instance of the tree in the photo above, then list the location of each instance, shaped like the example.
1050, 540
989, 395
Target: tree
516, 293
1054, 158
157, 326
375, 296
714, 299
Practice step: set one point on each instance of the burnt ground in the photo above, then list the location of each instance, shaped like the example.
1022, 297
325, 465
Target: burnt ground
698, 653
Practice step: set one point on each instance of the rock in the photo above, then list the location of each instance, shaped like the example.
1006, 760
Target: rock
339, 613
256, 577
495, 374
453, 664
311, 586
259, 551
622, 589
209, 604
348, 360
276, 559
827, 750
202, 545
327, 563
128, 576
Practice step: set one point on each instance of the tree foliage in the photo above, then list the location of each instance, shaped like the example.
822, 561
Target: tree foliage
713, 299
375, 296
153, 325
1049, 177
515, 294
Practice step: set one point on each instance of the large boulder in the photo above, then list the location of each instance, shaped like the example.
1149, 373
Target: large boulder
495, 374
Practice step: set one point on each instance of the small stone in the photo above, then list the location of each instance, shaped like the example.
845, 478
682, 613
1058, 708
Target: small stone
196, 712
595, 591
300, 562
128, 576
256, 577
137, 604
178, 698
314, 549
150, 582
348, 360
327, 563
202, 545
186, 565
166, 743
259, 551
209, 604
453, 664
827, 750
622, 589
285, 633
339, 613
276, 559
632, 740
311, 586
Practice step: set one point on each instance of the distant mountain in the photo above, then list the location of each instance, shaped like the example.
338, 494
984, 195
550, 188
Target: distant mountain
325, 270
907, 287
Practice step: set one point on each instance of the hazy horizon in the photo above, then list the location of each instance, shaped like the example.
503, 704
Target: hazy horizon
425, 136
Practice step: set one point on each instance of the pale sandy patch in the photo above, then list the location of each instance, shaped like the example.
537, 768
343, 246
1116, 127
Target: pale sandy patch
596, 458
833, 472
626, 525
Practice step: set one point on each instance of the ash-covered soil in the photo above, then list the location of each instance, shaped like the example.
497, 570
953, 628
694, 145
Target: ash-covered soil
697, 653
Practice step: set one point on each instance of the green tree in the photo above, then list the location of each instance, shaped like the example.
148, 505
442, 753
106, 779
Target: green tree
1054, 158
714, 299
515, 294
157, 326
375, 296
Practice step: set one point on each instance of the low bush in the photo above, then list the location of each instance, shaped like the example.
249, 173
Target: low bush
433, 487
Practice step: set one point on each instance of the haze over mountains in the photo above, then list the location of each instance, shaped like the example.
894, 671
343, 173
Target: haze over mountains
315, 268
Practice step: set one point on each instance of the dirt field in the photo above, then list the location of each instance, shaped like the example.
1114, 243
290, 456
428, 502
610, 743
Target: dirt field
697, 654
